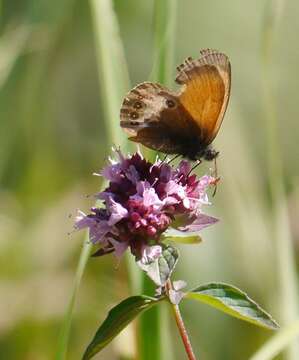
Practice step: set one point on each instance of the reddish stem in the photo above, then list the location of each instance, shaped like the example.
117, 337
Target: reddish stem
181, 326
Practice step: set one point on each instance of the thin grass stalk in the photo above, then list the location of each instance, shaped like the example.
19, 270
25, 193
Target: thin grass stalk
286, 270
65, 331
165, 15
152, 323
113, 73
277, 343
114, 81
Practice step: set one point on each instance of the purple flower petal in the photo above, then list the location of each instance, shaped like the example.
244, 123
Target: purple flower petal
132, 174
203, 184
141, 201
118, 212
120, 247
98, 231
172, 187
105, 195
200, 222
165, 174
112, 172
184, 167
82, 221
141, 186
150, 198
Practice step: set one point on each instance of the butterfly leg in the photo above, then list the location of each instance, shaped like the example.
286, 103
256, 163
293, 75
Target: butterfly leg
171, 160
215, 175
164, 159
215, 171
197, 163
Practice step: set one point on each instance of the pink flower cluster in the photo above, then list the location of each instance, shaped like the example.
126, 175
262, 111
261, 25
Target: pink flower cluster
141, 201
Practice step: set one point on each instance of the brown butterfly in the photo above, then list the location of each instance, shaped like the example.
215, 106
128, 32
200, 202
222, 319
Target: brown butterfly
184, 122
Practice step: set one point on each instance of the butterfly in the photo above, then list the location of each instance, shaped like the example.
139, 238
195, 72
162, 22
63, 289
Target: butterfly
183, 122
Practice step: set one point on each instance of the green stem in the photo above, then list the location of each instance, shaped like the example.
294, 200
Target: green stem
181, 327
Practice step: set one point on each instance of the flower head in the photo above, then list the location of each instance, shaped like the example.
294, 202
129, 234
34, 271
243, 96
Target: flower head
141, 201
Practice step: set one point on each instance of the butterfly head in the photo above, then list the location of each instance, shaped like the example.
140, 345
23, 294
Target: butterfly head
210, 154
196, 151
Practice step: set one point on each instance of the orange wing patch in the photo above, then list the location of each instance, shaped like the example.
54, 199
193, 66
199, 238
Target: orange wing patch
205, 92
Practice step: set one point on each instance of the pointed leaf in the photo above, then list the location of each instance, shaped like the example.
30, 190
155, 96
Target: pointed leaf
182, 237
118, 318
160, 269
234, 302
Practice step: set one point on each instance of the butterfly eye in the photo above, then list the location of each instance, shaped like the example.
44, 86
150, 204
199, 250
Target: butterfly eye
138, 105
134, 115
170, 103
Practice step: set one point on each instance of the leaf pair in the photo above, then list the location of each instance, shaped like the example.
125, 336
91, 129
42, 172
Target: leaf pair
224, 297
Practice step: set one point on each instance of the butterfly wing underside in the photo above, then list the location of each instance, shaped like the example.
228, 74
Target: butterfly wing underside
159, 118
150, 113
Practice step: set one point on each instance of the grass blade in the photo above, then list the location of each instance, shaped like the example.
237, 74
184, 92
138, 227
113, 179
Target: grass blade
114, 80
164, 38
281, 231
151, 329
65, 331
115, 83
113, 73
278, 342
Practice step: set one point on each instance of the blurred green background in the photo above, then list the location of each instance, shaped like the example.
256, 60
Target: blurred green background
52, 137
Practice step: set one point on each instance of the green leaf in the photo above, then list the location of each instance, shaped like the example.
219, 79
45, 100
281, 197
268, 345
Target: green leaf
234, 302
160, 269
182, 237
118, 318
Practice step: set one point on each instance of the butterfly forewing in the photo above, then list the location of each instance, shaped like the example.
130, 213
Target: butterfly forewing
205, 91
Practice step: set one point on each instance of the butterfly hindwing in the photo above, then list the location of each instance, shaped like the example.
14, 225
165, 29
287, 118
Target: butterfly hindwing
141, 107
154, 117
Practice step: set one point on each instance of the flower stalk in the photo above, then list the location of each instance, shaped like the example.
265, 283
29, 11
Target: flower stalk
181, 326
